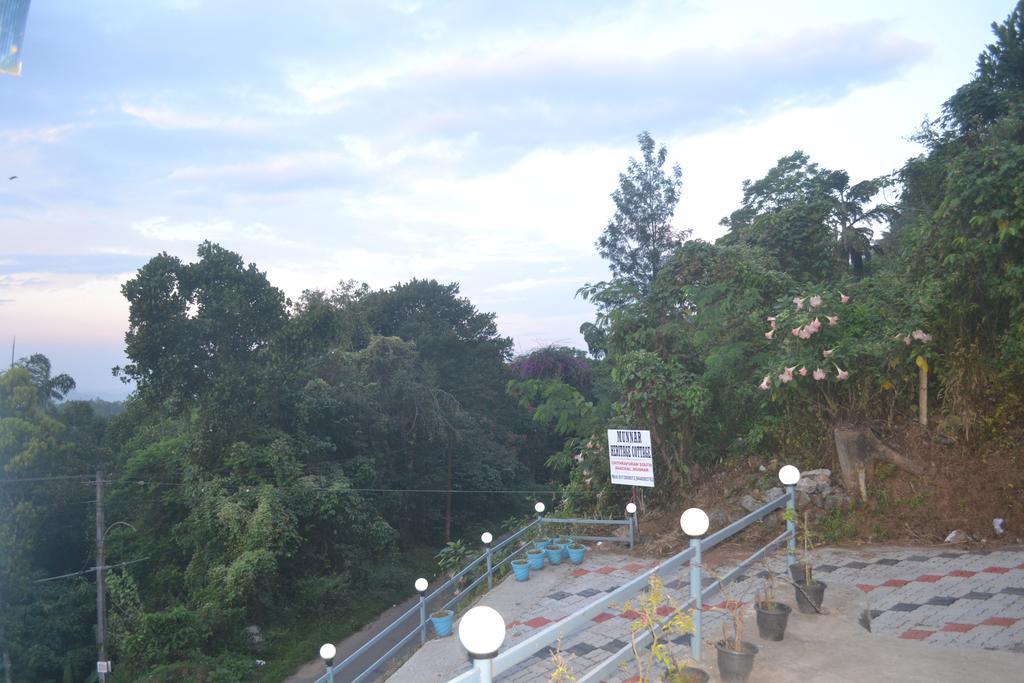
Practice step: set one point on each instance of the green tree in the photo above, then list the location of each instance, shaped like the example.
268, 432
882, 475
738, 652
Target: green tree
639, 237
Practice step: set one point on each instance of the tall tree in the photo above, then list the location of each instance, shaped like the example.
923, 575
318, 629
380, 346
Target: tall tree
640, 236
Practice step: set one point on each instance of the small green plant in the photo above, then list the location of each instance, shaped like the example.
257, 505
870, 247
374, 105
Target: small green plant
451, 558
651, 622
837, 527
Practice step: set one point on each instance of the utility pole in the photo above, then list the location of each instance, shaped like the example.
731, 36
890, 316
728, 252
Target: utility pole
13, 340
101, 589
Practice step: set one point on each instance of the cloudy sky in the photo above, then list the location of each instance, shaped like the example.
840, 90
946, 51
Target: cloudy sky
475, 142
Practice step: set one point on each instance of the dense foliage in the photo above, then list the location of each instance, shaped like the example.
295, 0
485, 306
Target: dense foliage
281, 456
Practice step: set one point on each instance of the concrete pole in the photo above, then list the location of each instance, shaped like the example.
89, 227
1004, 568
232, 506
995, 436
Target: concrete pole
101, 589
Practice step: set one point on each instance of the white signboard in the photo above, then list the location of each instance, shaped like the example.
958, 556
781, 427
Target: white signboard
103, 667
630, 457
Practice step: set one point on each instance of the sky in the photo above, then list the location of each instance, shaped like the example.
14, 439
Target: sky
470, 142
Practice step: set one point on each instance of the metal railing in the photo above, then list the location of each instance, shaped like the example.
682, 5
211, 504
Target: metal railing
413, 622
630, 521
581, 619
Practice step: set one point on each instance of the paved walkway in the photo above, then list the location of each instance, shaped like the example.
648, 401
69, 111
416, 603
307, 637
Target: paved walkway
937, 596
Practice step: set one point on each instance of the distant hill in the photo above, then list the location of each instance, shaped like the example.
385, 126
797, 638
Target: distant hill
106, 409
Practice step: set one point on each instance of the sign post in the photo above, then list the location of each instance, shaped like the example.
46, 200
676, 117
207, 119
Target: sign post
630, 457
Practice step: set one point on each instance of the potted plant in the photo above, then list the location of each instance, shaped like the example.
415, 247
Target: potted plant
565, 542
535, 558
772, 616
660, 629
577, 551
442, 621
735, 656
809, 592
521, 568
541, 543
554, 551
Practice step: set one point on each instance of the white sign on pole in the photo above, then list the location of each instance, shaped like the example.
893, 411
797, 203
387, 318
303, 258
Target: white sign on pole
103, 667
630, 457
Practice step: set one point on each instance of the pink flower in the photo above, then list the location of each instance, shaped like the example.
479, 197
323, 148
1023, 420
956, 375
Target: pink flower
842, 374
805, 332
787, 375
796, 331
819, 374
769, 333
771, 320
815, 326
803, 372
833, 320
815, 301
798, 302
921, 336
765, 384
843, 298
907, 340
826, 354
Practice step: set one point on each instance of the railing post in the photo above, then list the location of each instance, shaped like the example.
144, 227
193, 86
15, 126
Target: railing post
486, 539
631, 518
695, 592
695, 523
791, 527
421, 588
790, 477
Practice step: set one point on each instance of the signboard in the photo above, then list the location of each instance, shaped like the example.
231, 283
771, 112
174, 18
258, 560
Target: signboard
103, 667
630, 457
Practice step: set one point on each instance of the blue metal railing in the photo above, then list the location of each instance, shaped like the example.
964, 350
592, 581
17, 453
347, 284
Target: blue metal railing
413, 622
581, 619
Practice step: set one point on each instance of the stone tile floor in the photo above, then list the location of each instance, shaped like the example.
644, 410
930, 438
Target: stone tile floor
969, 598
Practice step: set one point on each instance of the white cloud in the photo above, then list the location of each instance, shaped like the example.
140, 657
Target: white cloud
171, 118
161, 228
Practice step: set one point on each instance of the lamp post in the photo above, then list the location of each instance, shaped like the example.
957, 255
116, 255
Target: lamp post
327, 652
539, 509
790, 477
486, 539
481, 632
695, 523
421, 588
633, 529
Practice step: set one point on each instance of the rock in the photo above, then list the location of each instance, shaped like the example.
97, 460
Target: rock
997, 525
749, 503
773, 493
957, 536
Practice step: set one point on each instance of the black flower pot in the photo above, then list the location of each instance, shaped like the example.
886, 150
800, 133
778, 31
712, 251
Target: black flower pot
809, 596
796, 572
772, 618
690, 674
735, 666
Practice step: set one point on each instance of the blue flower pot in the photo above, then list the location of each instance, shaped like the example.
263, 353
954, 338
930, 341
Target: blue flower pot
565, 542
521, 569
442, 622
576, 554
535, 560
541, 543
554, 552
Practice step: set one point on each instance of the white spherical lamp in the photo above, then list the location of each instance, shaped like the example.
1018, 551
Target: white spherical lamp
327, 652
694, 522
486, 538
789, 475
539, 507
631, 508
421, 585
482, 631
